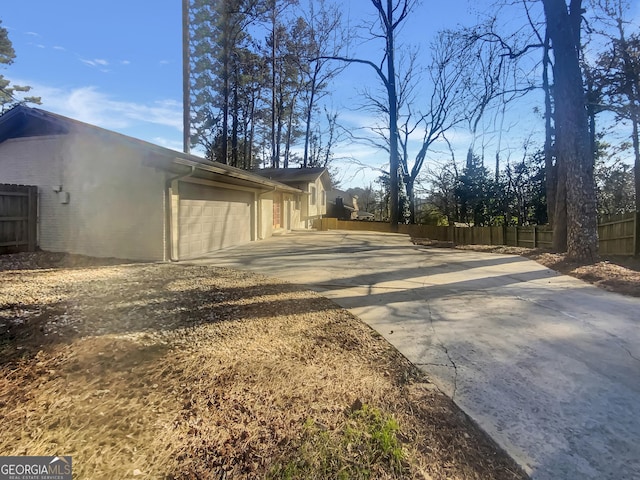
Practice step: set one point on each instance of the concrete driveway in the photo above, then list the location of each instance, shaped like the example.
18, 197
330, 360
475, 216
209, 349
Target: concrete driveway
548, 365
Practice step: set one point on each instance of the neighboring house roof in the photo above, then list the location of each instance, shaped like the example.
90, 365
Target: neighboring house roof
296, 175
22, 122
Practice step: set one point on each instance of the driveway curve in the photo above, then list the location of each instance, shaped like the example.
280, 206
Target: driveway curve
548, 365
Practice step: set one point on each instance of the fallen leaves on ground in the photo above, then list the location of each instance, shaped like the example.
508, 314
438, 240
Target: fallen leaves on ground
616, 274
178, 371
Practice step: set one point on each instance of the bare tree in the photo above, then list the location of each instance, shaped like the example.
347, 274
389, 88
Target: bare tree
391, 15
324, 37
618, 76
447, 106
570, 183
276, 11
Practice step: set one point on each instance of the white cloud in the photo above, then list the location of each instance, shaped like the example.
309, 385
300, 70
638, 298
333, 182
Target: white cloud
58, 47
32, 34
125, 62
95, 62
165, 62
90, 105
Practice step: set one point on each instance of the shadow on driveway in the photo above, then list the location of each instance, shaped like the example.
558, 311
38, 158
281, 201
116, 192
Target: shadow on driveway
546, 364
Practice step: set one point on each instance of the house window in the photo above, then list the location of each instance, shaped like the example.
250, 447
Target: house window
324, 198
312, 199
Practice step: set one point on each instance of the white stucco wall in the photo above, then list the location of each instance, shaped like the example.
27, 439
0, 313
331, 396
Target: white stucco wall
293, 211
38, 161
265, 203
314, 209
291, 214
116, 204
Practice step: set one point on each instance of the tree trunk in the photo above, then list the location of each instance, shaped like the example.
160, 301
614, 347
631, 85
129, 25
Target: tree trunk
636, 167
394, 161
551, 180
186, 80
636, 176
234, 120
470, 158
275, 155
307, 133
225, 105
633, 94
410, 187
572, 131
279, 125
560, 208
289, 136
249, 142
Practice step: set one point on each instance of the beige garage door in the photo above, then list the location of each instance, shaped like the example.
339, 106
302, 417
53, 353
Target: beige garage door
211, 218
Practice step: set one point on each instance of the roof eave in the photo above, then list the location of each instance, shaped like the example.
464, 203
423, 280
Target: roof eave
227, 171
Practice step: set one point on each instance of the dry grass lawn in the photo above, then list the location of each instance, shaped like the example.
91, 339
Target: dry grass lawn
182, 372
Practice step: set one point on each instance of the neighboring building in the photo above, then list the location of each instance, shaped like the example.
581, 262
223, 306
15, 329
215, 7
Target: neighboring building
314, 182
344, 206
108, 195
341, 205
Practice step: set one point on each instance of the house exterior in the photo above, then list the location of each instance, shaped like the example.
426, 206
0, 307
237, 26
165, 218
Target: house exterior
341, 205
104, 194
313, 182
344, 206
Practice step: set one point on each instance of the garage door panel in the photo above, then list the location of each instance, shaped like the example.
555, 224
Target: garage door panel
211, 218
208, 211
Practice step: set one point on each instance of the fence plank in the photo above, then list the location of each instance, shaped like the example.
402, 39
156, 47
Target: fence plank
617, 237
636, 233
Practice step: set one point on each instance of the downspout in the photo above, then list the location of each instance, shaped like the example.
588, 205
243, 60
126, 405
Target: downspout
260, 195
169, 201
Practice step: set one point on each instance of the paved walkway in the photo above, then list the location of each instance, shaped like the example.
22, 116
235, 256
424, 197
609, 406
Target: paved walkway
549, 366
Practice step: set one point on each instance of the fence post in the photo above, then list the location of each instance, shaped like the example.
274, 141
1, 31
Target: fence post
636, 234
534, 237
32, 222
517, 241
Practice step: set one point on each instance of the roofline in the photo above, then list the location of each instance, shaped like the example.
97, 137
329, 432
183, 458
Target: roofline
322, 173
179, 158
222, 169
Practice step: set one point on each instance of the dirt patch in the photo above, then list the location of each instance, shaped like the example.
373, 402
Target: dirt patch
175, 371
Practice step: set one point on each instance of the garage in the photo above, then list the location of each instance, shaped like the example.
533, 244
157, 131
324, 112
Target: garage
212, 217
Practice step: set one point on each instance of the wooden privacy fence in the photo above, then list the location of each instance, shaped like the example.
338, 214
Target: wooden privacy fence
618, 237
18, 218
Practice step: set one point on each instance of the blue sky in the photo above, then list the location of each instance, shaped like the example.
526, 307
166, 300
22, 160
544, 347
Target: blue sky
117, 64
